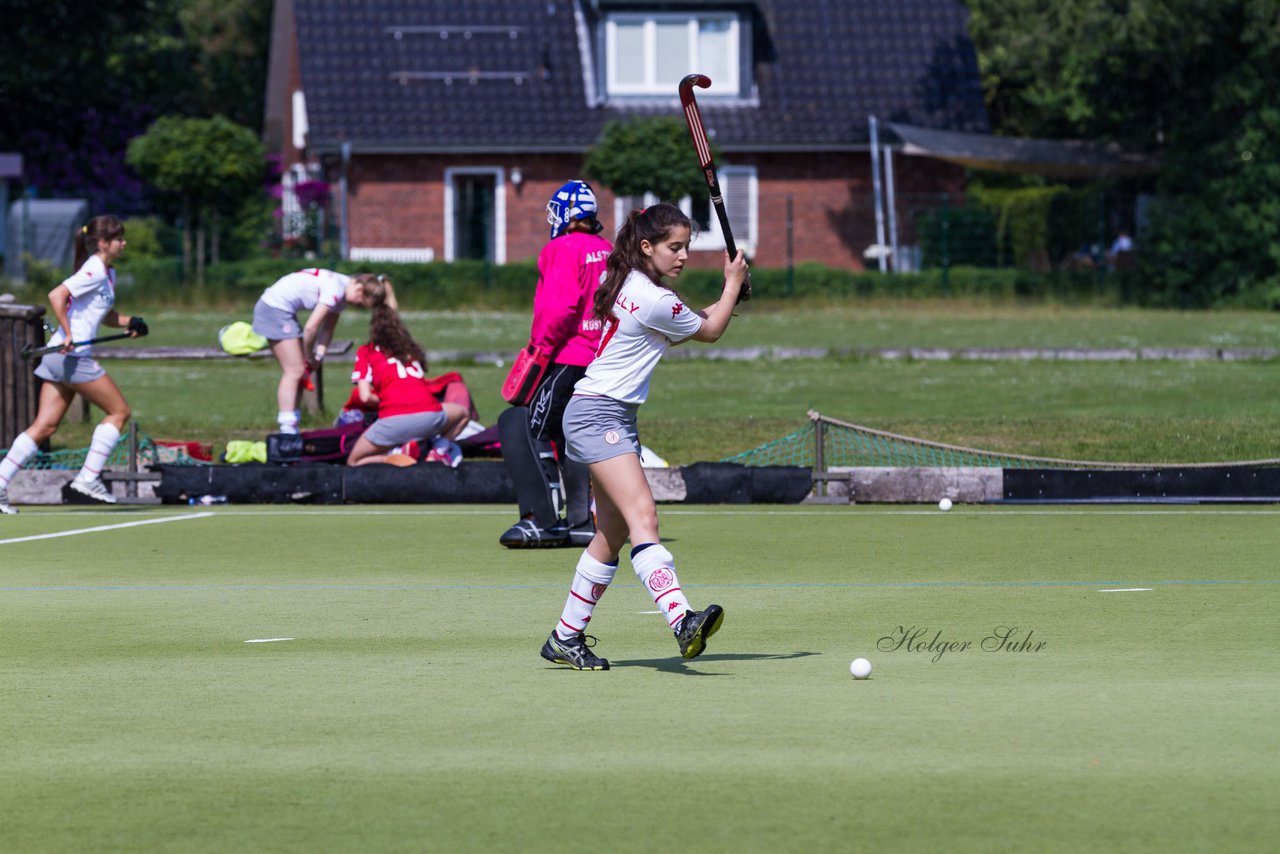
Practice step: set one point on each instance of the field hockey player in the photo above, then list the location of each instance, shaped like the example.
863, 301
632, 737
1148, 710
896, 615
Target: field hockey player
299, 349
642, 319
80, 304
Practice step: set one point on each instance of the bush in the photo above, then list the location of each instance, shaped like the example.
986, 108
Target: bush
477, 285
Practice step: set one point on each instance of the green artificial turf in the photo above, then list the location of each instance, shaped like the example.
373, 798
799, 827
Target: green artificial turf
412, 712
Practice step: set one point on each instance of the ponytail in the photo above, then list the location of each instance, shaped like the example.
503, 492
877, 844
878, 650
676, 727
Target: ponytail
653, 224
91, 235
386, 330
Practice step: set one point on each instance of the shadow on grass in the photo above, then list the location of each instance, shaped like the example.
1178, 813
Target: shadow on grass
680, 665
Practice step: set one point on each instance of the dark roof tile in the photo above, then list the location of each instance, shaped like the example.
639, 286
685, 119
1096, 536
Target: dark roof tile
490, 74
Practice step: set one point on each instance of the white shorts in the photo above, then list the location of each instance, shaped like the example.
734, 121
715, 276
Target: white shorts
600, 428
69, 370
398, 429
275, 324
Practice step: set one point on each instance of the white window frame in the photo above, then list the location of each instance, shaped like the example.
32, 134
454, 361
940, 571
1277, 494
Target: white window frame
499, 208
712, 239
730, 85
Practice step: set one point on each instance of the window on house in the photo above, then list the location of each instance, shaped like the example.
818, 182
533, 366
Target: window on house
649, 53
740, 188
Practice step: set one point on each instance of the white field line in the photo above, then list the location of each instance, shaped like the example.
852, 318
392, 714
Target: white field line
860, 511
1128, 590
104, 528
269, 640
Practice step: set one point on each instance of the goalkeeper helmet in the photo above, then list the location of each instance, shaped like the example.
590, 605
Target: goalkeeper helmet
575, 200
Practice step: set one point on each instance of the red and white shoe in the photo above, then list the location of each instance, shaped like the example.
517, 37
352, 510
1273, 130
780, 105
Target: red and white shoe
445, 451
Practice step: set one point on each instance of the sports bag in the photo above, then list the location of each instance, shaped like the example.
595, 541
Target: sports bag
527, 371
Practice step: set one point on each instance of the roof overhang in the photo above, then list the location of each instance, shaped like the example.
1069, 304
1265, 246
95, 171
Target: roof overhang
1054, 158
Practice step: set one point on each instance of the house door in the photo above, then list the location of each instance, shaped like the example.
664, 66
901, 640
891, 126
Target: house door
473, 216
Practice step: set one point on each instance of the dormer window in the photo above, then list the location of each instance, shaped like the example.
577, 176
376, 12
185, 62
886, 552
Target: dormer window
648, 53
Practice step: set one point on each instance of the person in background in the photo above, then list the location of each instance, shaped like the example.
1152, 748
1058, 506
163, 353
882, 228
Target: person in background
299, 349
389, 373
81, 304
552, 491
1120, 252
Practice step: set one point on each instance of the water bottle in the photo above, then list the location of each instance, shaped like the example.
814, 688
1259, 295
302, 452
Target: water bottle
208, 500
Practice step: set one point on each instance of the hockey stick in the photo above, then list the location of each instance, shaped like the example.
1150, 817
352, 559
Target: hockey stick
30, 353
693, 118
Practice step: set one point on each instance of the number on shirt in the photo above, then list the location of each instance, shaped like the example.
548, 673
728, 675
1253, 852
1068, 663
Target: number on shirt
404, 371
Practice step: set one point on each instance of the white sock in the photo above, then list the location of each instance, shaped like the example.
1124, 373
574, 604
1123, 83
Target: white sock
656, 569
288, 421
590, 580
104, 441
22, 450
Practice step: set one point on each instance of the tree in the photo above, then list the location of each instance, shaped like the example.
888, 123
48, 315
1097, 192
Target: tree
1192, 81
210, 165
80, 80
652, 155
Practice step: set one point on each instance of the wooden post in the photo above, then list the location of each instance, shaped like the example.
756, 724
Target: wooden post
20, 326
131, 486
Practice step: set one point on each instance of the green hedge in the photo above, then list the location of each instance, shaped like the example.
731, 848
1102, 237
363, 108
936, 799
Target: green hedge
473, 284
476, 285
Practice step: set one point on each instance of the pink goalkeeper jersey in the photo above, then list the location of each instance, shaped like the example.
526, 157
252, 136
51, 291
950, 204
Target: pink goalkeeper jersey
647, 320
570, 268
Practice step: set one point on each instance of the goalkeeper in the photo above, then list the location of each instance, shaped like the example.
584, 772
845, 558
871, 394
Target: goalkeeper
553, 492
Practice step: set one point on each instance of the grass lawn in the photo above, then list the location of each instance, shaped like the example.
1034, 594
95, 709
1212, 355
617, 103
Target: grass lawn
1158, 412
1120, 411
410, 711
867, 323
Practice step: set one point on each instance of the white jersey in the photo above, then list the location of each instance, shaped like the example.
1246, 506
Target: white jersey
647, 319
93, 294
306, 289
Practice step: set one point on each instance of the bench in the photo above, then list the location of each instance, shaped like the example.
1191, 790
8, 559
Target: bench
311, 401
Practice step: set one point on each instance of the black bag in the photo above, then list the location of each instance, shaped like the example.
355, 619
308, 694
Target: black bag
284, 448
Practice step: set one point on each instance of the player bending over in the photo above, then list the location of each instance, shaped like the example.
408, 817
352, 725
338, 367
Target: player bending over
642, 318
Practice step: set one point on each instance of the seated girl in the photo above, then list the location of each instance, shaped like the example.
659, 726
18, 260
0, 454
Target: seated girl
389, 375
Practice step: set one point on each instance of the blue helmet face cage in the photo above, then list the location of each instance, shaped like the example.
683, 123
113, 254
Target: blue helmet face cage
575, 200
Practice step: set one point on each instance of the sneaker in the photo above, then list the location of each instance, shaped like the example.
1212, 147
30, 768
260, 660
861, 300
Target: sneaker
95, 489
445, 451
526, 534
574, 652
6, 509
696, 627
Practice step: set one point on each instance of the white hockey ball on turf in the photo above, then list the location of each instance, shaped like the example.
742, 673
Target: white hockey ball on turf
944, 504
860, 668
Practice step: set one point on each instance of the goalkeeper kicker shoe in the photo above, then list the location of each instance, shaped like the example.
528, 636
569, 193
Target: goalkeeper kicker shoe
528, 534
573, 652
6, 509
696, 627
95, 489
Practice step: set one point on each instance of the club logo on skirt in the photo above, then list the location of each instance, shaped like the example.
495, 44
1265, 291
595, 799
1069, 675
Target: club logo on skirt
612, 437
660, 580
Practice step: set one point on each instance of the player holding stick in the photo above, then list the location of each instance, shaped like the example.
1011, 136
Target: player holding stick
642, 319
81, 304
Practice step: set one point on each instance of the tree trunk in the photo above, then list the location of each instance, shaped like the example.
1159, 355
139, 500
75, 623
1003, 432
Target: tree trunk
200, 229
215, 237
186, 240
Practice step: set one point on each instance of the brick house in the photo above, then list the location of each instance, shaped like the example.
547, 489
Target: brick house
445, 126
